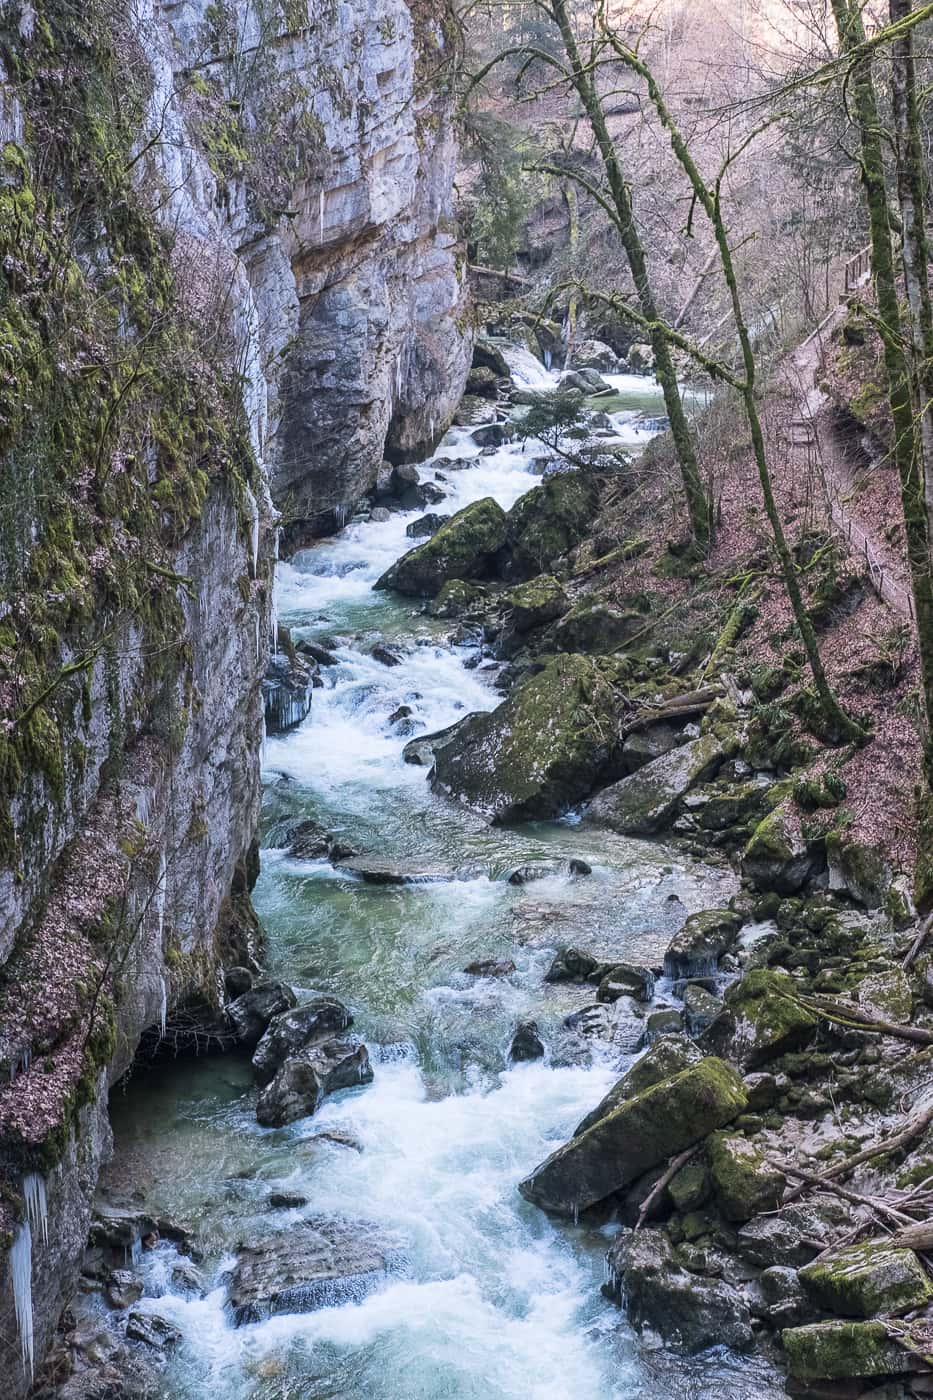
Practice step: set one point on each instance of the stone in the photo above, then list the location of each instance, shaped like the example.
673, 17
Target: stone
626, 979
458, 599
864, 1279
760, 1020
636, 1135
302, 1083
237, 981
420, 751
862, 871
778, 1240
403, 870
647, 744
483, 382
487, 355
596, 354
527, 874
123, 1288
292, 1031
385, 656
667, 1056
578, 867
533, 604
837, 1350
689, 1312
152, 1330
490, 967
695, 951
321, 655
492, 435
319, 1263
425, 526
786, 1304
286, 1200
251, 1013
777, 857
541, 751
526, 1043
286, 692
380, 515
648, 800
665, 1022
548, 521
586, 381
402, 713
620, 1023
464, 547
763, 1090
887, 995
744, 1183
700, 1008
593, 625
571, 965
689, 1188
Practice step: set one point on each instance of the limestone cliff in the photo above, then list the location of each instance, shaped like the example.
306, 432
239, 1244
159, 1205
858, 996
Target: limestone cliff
227, 274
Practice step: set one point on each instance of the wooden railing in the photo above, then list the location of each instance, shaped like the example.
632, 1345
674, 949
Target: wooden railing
858, 271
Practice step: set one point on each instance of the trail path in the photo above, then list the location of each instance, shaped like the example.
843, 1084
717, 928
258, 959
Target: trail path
814, 437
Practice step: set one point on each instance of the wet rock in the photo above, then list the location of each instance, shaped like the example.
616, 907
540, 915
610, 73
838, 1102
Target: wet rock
317, 653
596, 354
645, 745
620, 1023
662, 1023
251, 1013
483, 383
535, 603
666, 1057
425, 526
777, 857
463, 548
586, 381
638, 1134
527, 874
490, 967
865, 1279
293, 1031
380, 515
385, 656
286, 1200
187, 1278
628, 980
695, 951
420, 751
317, 1264
308, 840
689, 1312
646, 801
526, 1042
286, 692
403, 712
301, 1085
836, 1350
760, 1020
576, 866
401, 871
700, 1008
237, 981
744, 1183
459, 599
548, 521
492, 435
542, 750
123, 1288
572, 965
474, 409
152, 1330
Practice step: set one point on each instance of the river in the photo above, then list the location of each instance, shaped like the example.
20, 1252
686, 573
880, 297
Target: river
492, 1299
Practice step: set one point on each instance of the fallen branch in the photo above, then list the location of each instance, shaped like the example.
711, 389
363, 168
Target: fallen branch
856, 1018
663, 1181
880, 1208
877, 1149
918, 942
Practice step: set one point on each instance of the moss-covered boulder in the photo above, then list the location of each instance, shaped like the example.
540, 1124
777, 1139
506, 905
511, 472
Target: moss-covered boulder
887, 995
695, 951
459, 598
540, 752
549, 521
865, 1279
534, 603
667, 1056
646, 801
637, 1135
690, 1187
837, 1350
743, 1181
464, 547
861, 870
593, 625
760, 1020
777, 857
701, 1007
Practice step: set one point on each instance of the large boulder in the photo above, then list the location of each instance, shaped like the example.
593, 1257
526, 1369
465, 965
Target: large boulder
744, 1183
252, 1012
667, 1056
548, 521
596, 354
464, 547
695, 951
641, 1133
838, 1350
541, 751
593, 625
536, 602
761, 1020
688, 1311
777, 857
319, 1263
648, 800
864, 1279
292, 1031
301, 1085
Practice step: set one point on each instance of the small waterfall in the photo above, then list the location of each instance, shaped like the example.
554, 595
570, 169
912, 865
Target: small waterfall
37, 1206
163, 1006
21, 1271
160, 898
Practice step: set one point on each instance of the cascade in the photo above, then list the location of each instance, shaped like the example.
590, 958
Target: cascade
21, 1272
163, 1006
37, 1206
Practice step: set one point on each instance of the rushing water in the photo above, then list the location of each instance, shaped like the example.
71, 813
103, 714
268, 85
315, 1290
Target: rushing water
494, 1298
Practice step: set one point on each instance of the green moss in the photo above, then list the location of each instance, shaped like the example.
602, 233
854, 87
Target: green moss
837, 1350
744, 1183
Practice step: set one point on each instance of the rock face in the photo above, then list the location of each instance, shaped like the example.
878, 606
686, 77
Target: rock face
539, 752
636, 1135
318, 1264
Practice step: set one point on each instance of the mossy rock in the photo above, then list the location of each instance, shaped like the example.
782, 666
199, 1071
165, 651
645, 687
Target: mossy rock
777, 857
458, 598
668, 1055
549, 521
690, 1187
542, 750
887, 994
744, 1183
866, 1279
695, 951
464, 547
722, 808
761, 1020
649, 799
837, 1350
859, 869
535, 603
639, 1134
593, 625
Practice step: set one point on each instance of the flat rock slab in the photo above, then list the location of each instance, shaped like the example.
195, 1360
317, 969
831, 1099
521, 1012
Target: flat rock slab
320, 1263
401, 871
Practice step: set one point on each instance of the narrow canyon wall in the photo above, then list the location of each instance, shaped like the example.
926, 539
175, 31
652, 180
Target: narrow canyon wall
228, 277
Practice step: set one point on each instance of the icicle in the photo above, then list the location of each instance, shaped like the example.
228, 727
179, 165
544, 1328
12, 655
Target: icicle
160, 897
576, 1214
321, 239
253, 509
274, 621
277, 544
21, 1271
258, 642
37, 1206
163, 1006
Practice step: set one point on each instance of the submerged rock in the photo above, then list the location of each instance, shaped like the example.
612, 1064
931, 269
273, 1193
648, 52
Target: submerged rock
301, 1085
292, 1031
463, 548
572, 965
526, 1042
647, 800
638, 1134
490, 967
317, 1264
252, 1012
540, 751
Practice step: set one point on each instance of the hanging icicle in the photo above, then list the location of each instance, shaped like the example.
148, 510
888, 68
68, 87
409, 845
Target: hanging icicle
21, 1272
37, 1206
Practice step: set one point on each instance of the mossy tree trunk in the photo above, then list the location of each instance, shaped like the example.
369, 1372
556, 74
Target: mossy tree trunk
580, 75
908, 437
708, 199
